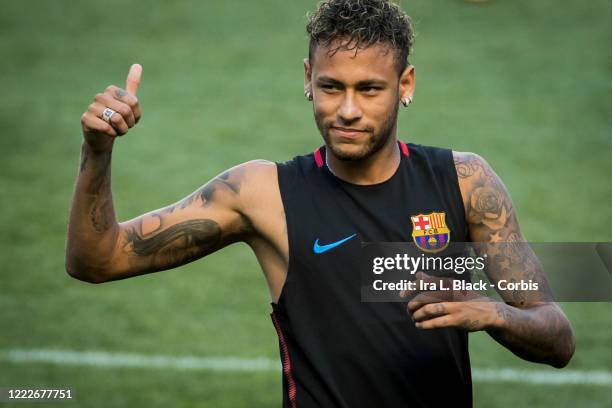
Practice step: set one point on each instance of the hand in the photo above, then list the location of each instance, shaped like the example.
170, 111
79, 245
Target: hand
464, 309
100, 134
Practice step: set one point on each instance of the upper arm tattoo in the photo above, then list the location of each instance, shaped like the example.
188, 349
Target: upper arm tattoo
488, 207
176, 245
230, 182
494, 228
167, 244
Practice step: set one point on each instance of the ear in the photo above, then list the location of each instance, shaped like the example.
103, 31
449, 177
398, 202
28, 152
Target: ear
406, 84
307, 76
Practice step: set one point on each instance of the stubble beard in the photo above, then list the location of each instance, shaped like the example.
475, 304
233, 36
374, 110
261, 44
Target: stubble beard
375, 142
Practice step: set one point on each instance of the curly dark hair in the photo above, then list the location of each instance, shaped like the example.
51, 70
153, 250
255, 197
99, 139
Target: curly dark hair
359, 24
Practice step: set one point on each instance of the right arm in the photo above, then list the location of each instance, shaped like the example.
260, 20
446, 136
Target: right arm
100, 249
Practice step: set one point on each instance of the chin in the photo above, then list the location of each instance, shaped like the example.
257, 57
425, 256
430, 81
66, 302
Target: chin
350, 152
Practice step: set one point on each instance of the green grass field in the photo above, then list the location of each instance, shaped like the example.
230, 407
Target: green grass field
526, 84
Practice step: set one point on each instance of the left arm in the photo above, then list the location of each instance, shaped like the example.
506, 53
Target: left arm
532, 329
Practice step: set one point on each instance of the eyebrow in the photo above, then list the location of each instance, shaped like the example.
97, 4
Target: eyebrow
360, 84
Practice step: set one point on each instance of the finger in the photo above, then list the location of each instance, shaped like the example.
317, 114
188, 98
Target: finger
116, 121
423, 284
135, 108
427, 298
122, 108
438, 322
118, 106
418, 302
133, 79
422, 275
423, 281
91, 122
433, 283
407, 293
127, 98
430, 311
418, 286
427, 278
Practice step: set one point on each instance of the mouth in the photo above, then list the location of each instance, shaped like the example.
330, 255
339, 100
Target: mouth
350, 133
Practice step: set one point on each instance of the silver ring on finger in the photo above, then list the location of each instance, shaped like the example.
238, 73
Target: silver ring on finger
107, 114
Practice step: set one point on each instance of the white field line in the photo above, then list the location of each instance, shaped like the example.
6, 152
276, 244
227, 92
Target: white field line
106, 359
561, 377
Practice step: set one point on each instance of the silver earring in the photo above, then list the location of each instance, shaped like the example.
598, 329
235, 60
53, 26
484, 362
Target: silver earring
308, 95
403, 101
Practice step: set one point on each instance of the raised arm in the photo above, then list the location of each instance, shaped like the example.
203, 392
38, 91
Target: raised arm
100, 249
533, 329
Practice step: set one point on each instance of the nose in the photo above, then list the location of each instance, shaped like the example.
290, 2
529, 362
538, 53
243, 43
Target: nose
349, 110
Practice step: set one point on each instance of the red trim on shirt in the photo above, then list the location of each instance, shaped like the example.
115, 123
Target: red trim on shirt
286, 361
404, 148
318, 158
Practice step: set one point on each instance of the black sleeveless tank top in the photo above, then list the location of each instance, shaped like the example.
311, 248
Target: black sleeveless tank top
337, 351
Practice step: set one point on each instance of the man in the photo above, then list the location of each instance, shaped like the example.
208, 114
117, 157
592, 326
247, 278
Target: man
305, 220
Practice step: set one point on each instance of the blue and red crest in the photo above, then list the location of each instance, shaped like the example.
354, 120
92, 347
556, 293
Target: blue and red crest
429, 231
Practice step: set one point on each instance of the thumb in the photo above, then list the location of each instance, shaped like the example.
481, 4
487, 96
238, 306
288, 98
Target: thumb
133, 79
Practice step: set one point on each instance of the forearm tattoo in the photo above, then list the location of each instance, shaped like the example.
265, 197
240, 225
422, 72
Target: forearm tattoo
101, 213
540, 334
84, 158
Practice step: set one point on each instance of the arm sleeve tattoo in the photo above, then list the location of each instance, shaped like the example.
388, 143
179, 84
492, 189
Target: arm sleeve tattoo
494, 228
533, 327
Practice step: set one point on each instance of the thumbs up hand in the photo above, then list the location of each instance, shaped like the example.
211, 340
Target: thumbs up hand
112, 113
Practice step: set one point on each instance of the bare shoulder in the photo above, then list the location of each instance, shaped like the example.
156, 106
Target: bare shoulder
259, 184
259, 168
255, 195
261, 190
471, 166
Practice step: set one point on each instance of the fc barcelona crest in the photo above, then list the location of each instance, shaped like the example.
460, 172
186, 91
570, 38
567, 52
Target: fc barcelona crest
429, 231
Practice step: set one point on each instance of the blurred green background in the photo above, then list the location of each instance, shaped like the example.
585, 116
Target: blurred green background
524, 83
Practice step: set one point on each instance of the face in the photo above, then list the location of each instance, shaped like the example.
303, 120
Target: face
356, 98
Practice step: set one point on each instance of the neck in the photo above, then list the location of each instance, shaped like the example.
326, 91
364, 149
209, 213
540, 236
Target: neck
372, 170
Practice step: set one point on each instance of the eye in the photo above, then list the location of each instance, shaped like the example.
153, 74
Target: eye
328, 87
370, 89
